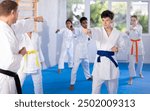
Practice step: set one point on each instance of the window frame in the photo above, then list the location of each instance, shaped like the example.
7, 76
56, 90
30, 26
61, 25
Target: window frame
129, 10
87, 10
35, 9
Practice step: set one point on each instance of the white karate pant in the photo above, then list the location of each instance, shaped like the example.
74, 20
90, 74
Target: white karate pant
69, 52
85, 66
132, 60
37, 81
112, 85
7, 85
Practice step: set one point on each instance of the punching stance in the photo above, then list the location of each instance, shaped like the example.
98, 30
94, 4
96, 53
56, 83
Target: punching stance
108, 42
67, 45
83, 36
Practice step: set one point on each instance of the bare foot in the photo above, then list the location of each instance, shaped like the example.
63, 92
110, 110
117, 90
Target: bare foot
130, 82
71, 87
141, 75
59, 71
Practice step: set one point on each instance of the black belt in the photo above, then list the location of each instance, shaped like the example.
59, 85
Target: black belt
16, 78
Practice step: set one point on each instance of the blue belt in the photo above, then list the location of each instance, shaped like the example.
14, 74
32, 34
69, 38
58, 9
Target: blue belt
107, 54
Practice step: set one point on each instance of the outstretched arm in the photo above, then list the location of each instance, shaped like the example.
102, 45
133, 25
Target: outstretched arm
26, 25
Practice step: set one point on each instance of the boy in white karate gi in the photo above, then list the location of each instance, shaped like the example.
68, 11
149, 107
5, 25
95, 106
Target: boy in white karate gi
108, 42
136, 49
67, 45
31, 63
83, 37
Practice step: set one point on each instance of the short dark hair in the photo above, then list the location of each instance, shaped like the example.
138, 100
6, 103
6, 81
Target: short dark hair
82, 19
68, 20
7, 6
107, 13
134, 16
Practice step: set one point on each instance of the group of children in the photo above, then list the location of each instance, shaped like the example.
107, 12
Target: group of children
109, 42
79, 38
75, 42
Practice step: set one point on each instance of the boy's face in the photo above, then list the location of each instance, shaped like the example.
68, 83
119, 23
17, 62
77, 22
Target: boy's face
134, 21
68, 24
107, 22
84, 24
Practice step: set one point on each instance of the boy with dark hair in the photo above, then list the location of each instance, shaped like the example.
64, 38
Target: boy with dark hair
107, 13
83, 19
108, 42
81, 51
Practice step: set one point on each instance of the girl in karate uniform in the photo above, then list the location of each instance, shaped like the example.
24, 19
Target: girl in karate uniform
136, 49
67, 45
31, 63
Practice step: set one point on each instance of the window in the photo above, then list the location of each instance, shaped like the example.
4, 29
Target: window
75, 10
96, 8
141, 10
120, 11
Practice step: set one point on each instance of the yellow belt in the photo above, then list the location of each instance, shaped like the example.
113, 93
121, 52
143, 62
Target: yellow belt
33, 52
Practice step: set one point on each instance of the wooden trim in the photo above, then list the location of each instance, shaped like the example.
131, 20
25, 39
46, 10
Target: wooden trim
24, 6
35, 13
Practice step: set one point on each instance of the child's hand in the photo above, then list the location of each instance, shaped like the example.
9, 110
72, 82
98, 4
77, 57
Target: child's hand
132, 28
23, 51
114, 49
71, 28
38, 19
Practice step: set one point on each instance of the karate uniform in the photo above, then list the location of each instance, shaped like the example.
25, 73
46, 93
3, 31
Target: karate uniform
9, 48
31, 61
66, 48
136, 51
80, 55
105, 66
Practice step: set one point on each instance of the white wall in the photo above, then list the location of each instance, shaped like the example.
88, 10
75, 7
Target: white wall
54, 15
146, 42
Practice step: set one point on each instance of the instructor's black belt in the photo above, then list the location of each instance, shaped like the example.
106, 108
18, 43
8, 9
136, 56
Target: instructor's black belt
16, 78
107, 54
